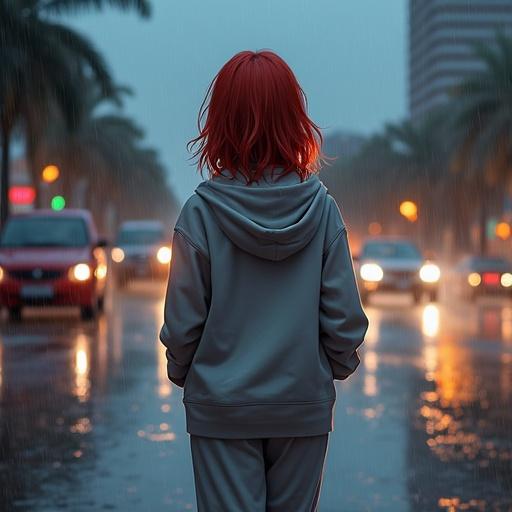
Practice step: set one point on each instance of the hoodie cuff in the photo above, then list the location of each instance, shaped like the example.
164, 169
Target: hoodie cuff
178, 382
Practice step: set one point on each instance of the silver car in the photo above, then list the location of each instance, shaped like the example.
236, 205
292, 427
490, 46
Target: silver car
396, 264
142, 250
475, 276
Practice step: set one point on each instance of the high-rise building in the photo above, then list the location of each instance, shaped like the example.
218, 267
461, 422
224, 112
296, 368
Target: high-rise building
441, 34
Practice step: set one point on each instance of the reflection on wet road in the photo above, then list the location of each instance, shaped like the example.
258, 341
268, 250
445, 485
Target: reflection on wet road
89, 421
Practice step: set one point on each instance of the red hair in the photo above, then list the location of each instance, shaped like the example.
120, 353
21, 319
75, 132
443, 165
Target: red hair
256, 118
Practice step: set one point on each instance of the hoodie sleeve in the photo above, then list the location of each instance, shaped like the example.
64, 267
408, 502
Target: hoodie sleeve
343, 323
187, 303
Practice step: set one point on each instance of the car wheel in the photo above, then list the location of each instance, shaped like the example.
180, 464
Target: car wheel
417, 295
15, 314
87, 312
101, 303
433, 295
121, 281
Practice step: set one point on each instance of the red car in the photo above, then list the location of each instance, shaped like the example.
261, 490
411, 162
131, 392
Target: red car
52, 258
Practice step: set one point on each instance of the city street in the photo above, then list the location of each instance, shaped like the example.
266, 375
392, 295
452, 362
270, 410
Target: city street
261, 152
89, 421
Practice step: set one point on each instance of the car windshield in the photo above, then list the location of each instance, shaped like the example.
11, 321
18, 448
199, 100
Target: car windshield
397, 250
497, 264
44, 232
140, 237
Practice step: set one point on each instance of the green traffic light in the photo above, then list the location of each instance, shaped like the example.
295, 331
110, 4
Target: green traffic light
58, 203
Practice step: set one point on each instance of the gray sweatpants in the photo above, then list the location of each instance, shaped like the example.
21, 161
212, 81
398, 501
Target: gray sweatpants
258, 475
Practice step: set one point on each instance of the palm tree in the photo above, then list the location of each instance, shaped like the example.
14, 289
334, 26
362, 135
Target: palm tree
404, 161
422, 146
423, 150
483, 124
44, 64
366, 183
106, 153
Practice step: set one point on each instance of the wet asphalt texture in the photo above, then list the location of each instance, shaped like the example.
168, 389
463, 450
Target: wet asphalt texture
89, 421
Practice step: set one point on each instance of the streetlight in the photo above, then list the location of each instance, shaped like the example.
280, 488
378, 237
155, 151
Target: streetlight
502, 230
409, 210
50, 173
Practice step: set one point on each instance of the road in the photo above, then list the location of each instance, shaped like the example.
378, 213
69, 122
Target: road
89, 421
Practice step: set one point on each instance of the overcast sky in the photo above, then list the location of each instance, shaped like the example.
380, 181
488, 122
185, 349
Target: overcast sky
349, 56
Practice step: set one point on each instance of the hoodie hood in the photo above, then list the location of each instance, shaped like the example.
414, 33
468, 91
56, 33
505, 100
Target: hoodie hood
271, 219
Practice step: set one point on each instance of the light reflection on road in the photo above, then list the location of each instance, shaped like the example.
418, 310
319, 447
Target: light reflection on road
371, 358
371, 364
165, 387
506, 324
430, 320
459, 409
81, 367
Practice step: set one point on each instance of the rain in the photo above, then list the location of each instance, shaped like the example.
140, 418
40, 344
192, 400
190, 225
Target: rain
98, 100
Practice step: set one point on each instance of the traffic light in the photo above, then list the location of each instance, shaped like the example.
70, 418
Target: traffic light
50, 173
58, 203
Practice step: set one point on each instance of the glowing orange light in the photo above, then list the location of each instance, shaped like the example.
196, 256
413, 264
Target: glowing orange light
409, 210
374, 228
50, 173
503, 230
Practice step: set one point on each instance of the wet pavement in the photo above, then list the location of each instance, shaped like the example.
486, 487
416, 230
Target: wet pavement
89, 421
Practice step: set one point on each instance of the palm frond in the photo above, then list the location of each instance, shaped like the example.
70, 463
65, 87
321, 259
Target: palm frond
80, 47
487, 55
120, 126
142, 7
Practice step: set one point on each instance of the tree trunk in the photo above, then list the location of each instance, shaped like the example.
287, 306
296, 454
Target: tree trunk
35, 162
482, 223
4, 175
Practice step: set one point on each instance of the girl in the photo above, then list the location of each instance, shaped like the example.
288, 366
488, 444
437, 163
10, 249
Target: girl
262, 311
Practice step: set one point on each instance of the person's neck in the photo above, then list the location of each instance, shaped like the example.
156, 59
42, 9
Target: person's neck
267, 174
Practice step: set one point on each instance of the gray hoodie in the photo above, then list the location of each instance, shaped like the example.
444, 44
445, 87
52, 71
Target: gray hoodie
262, 311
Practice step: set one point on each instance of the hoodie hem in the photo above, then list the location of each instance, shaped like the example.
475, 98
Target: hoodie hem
260, 420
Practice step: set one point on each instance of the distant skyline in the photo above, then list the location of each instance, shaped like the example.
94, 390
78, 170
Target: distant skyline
349, 56
437, 64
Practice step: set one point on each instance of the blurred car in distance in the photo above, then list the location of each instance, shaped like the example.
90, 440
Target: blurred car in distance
395, 264
142, 250
477, 275
52, 258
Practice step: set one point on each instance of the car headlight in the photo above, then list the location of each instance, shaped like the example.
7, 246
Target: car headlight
1, 274
117, 255
430, 273
101, 271
80, 272
371, 272
164, 255
474, 279
506, 280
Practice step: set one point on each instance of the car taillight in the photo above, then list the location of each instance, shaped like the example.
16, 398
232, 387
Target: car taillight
491, 278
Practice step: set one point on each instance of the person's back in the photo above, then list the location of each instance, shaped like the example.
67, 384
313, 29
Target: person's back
262, 311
